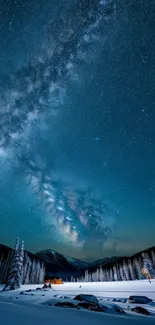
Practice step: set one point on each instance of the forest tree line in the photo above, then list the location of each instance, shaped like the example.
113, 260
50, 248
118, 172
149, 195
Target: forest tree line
20, 266
138, 268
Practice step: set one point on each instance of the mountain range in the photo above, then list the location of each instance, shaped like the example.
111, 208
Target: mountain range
62, 265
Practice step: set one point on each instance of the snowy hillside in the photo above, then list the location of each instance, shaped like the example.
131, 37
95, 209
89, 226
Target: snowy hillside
57, 263
51, 256
77, 263
104, 261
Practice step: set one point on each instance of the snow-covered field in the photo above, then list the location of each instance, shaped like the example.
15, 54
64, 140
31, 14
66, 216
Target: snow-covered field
15, 314
110, 289
37, 306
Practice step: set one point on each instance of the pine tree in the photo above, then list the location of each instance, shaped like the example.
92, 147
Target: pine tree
25, 267
140, 260
122, 273
21, 260
132, 276
3, 269
86, 276
118, 272
38, 270
89, 277
126, 271
2, 262
148, 266
97, 275
28, 270
14, 280
101, 274
104, 275
33, 273
7, 266
115, 273
111, 275
42, 274
153, 257
137, 267
108, 275
93, 277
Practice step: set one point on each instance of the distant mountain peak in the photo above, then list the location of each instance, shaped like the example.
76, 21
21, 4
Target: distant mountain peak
57, 264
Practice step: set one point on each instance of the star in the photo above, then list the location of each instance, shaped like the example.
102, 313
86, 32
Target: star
97, 139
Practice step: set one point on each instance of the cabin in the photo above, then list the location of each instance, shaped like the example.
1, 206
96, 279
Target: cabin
53, 280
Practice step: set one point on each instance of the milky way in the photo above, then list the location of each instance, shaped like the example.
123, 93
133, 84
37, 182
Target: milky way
74, 216
40, 88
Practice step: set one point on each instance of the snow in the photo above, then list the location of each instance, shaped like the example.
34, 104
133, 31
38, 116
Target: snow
16, 314
37, 306
114, 289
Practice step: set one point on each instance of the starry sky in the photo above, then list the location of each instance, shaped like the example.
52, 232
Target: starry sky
77, 136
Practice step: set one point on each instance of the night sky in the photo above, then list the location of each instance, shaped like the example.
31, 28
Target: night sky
77, 116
